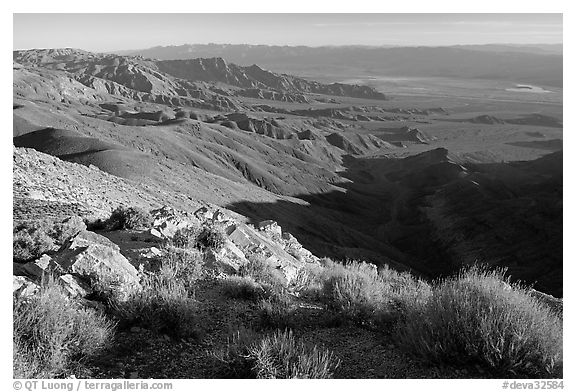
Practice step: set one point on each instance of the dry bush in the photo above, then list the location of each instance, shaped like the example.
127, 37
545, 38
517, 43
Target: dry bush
211, 237
261, 271
166, 304
123, 218
481, 318
243, 287
276, 356
186, 237
52, 334
281, 356
185, 265
365, 295
277, 311
33, 238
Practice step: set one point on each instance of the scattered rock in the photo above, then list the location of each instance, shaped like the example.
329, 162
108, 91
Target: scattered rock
36, 269
75, 286
270, 226
203, 214
23, 286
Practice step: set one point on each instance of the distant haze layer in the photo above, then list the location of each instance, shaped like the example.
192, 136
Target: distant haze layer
534, 64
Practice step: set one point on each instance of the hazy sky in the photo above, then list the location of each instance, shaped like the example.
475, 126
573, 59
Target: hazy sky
107, 32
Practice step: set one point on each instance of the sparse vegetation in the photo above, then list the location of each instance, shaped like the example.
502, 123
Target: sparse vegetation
211, 237
53, 334
30, 242
281, 356
277, 356
185, 237
163, 306
276, 311
185, 265
261, 271
68, 228
361, 293
481, 318
166, 304
123, 218
243, 287
31, 239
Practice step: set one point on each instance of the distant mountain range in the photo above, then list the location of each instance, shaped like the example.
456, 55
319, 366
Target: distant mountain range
537, 64
182, 82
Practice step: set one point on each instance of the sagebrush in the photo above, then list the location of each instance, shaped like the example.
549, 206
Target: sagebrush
53, 334
479, 317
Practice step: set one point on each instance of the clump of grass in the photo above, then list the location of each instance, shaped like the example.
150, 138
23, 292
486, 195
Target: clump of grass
166, 304
66, 229
243, 287
233, 360
365, 295
276, 356
481, 318
186, 237
281, 356
164, 307
277, 311
261, 271
202, 238
31, 239
123, 218
52, 333
29, 242
211, 237
186, 265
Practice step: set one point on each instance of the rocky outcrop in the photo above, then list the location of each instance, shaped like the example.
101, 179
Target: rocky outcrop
167, 221
98, 260
23, 286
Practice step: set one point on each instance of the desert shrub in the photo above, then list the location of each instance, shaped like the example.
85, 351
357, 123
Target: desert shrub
165, 304
68, 228
262, 271
52, 333
164, 307
281, 356
30, 240
95, 224
359, 292
367, 296
278, 356
233, 359
211, 237
308, 281
276, 311
481, 318
123, 218
185, 265
107, 287
186, 237
243, 287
